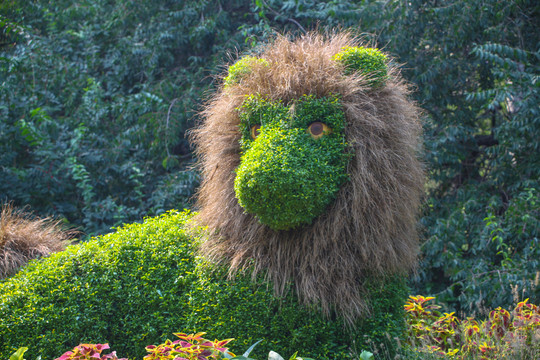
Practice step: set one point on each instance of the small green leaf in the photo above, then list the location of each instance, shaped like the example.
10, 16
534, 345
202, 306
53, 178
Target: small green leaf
18, 355
293, 356
366, 355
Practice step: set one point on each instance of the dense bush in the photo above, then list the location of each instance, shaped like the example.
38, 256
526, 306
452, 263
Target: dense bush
367, 61
136, 286
290, 175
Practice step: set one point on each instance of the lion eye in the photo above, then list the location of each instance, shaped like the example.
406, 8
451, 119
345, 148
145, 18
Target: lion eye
318, 129
255, 130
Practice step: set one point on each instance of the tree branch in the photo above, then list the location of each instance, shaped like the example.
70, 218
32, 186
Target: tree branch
289, 19
486, 140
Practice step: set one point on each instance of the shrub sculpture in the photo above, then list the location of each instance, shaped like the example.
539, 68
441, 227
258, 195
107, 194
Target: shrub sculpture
310, 172
306, 223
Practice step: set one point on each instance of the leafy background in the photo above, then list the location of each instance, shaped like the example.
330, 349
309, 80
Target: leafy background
96, 98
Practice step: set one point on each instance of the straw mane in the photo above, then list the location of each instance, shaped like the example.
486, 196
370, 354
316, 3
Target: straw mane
368, 231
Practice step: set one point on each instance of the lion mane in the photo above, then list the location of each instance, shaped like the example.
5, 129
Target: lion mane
370, 229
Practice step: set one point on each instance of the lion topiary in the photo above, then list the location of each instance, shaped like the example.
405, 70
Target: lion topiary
308, 202
310, 173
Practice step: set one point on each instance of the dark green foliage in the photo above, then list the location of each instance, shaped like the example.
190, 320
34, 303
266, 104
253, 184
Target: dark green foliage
138, 286
476, 69
286, 176
367, 61
95, 99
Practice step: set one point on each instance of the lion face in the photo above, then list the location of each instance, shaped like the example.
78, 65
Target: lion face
293, 159
294, 154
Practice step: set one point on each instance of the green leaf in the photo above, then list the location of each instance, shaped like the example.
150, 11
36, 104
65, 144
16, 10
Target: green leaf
366, 355
293, 356
18, 355
248, 351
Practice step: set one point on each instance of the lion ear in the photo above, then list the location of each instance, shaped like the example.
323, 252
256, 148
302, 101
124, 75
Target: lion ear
242, 68
369, 62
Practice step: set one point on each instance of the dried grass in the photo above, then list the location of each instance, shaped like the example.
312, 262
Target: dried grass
23, 238
370, 229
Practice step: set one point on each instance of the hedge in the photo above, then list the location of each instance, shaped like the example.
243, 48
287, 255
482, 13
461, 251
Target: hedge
139, 285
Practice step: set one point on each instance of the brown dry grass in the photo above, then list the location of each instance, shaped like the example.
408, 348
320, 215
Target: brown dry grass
23, 238
369, 230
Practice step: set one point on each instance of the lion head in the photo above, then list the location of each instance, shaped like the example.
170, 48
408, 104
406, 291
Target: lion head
310, 172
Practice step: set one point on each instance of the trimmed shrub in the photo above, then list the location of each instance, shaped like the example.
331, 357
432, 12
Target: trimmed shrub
242, 68
367, 61
138, 285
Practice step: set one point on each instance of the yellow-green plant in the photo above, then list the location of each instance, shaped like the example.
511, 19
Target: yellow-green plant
19, 354
242, 68
502, 334
369, 62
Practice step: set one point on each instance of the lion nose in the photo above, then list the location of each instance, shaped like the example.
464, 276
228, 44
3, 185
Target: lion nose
285, 180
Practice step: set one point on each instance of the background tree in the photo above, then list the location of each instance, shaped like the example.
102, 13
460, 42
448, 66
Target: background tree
96, 98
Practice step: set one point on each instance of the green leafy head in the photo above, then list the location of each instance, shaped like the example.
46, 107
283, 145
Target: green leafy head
367, 61
242, 68
293, 159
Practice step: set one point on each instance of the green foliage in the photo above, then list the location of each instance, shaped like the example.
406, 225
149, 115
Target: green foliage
242, 68
367, 61
366, 355
19, 354
133, 287
95, 99
475, 67
287, 176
